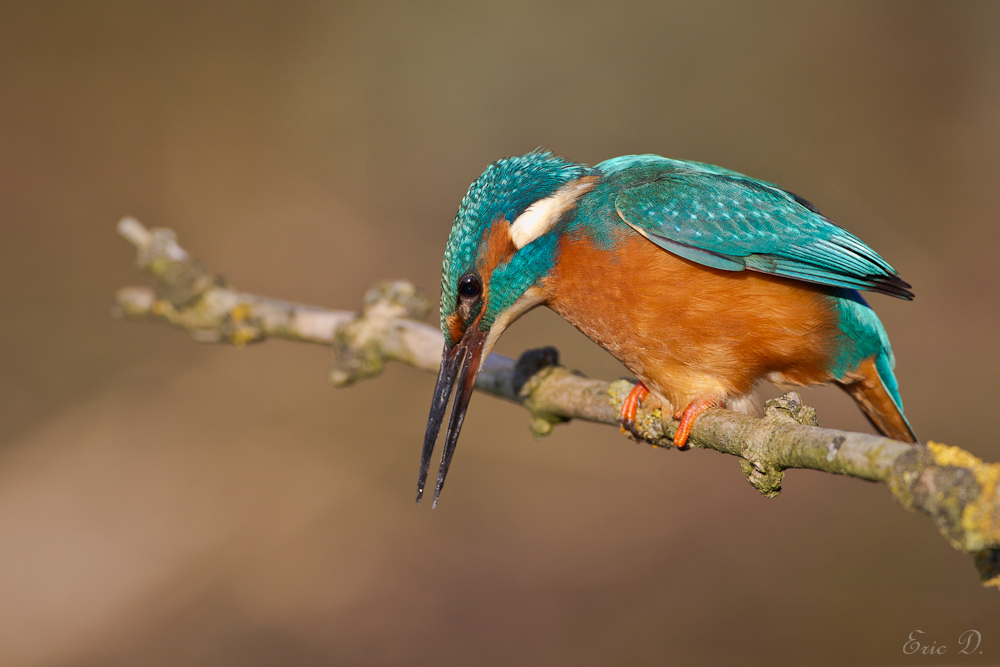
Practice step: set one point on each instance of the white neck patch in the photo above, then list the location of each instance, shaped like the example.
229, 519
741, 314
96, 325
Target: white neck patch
532, 297
544, 213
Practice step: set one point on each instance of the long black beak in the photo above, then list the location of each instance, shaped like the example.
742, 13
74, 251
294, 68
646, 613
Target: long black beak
459, 366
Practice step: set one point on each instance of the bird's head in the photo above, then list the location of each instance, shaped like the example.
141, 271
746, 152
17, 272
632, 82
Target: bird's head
502, 244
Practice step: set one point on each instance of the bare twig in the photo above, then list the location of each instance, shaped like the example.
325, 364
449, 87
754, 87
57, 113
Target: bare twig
957, 490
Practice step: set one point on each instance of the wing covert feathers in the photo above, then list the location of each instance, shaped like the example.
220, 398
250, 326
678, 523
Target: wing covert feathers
727, 221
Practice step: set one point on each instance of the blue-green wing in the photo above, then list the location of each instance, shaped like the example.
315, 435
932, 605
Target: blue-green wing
725, 220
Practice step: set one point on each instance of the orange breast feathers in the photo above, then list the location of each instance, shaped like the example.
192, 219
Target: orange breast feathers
687, 331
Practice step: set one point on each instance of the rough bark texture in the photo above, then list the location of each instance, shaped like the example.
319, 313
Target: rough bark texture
957, 490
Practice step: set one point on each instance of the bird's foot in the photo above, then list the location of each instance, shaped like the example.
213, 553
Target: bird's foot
687, 417
630, 406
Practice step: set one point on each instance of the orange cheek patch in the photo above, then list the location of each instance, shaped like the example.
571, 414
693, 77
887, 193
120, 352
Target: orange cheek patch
496, 248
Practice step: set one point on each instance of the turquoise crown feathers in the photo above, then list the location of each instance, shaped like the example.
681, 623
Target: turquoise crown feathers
504, 190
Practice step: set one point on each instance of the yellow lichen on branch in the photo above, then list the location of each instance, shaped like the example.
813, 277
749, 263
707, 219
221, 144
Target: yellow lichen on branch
981, 516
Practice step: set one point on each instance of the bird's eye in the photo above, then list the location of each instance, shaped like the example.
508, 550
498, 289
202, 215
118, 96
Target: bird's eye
469, 287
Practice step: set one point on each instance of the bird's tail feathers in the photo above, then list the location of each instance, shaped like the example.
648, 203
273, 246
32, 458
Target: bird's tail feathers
868, 388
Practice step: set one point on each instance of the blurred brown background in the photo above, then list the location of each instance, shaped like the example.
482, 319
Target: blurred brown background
166, 503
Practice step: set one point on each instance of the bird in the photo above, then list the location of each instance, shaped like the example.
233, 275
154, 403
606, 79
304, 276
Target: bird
701, 280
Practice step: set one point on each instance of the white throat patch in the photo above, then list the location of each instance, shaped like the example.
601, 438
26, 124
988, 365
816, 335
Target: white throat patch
544, 213
532, 297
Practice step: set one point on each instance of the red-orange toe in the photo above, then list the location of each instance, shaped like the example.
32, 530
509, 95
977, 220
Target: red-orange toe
630, 406
691, 413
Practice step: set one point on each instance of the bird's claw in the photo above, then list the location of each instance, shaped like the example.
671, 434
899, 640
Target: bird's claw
628, 426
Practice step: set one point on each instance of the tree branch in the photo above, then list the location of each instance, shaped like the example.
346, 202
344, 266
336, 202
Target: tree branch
957, 490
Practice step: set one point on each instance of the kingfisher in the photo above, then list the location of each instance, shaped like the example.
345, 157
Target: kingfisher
702, 281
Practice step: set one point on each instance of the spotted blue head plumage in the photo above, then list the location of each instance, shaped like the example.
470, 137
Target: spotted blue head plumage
503, 191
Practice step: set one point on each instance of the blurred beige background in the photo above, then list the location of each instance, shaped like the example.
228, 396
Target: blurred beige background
169, 503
